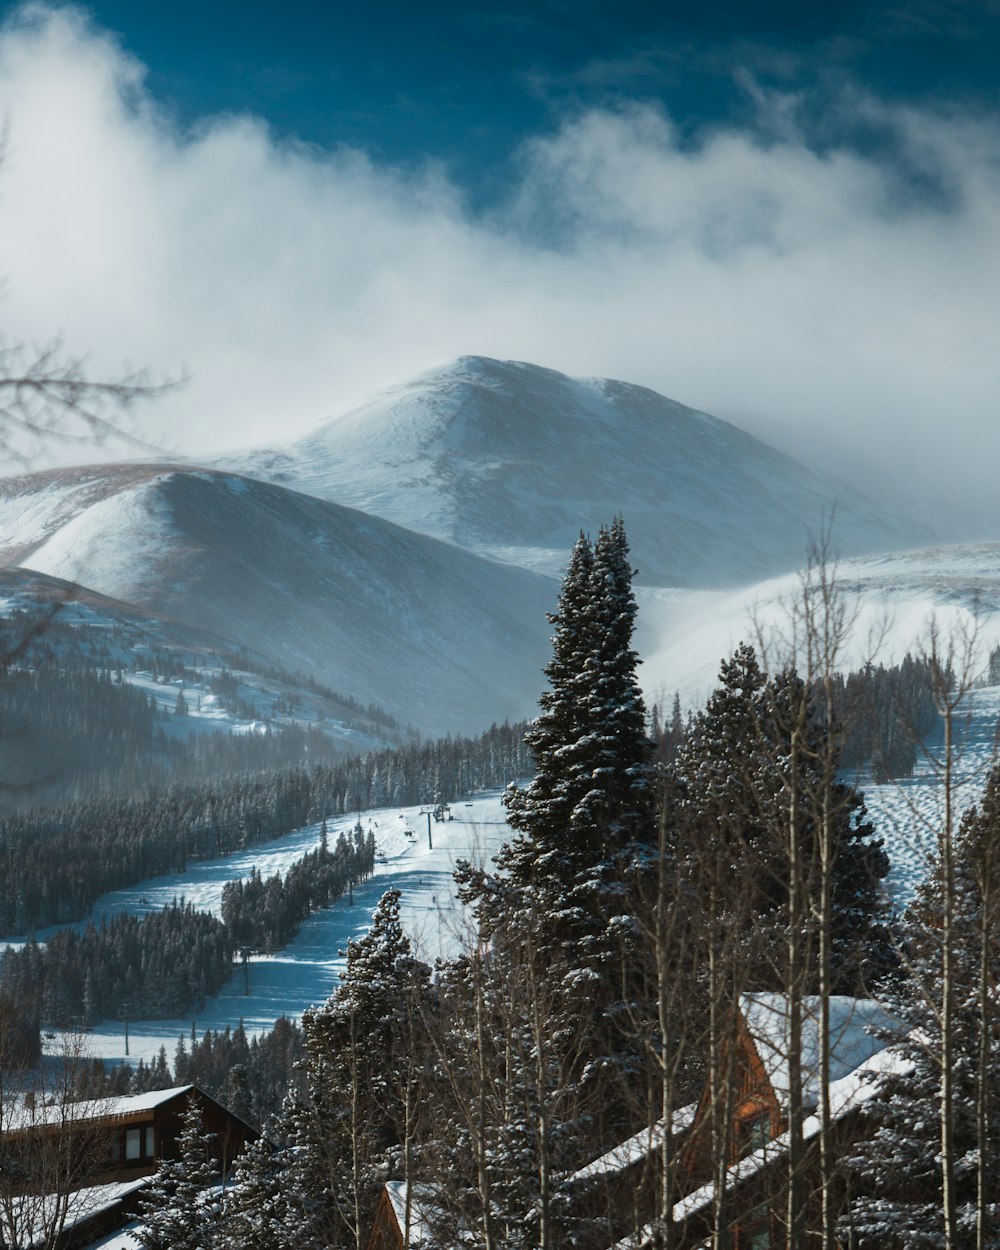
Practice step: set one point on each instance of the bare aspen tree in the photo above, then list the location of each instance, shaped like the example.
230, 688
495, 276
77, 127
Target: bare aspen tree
820, 622
52, 1149
508, 1049
823, 622
953, 669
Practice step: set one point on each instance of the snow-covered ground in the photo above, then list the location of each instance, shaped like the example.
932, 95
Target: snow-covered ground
909, 813
306, 971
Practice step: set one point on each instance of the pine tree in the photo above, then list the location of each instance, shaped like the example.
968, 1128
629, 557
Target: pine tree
590, 801
558, 908
180, 1208
728, 793
264, 1208
363, 1055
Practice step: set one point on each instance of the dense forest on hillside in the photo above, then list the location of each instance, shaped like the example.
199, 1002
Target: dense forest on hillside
59, 860
650, 883
569, 1080
166, 963
75, 725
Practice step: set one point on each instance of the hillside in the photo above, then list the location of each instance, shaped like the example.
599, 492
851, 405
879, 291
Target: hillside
441, 638
682, 635
513, 460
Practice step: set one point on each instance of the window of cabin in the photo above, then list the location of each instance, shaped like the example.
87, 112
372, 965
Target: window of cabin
754, 1133
150, 1142
756, 1232
133, 1143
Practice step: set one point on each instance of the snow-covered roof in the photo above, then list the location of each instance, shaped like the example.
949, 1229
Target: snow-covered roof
94, 1109
635, 1148
854, 1027
846, 1095
423, 1207
81, 1205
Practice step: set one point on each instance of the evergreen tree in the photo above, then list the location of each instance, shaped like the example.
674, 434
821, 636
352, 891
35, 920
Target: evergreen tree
590, 802
727, 797
263, 1209
180, 1209
363, 1053
559, 906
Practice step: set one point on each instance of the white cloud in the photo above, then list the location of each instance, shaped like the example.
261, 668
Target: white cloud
812, 296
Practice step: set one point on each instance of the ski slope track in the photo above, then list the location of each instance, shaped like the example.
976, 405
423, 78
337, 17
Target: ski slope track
444, 639
513, 460
308, 969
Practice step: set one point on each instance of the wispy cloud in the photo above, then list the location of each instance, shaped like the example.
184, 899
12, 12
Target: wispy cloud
817, 294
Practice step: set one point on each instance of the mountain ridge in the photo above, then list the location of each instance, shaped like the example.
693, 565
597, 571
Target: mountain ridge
513, 460
438, 636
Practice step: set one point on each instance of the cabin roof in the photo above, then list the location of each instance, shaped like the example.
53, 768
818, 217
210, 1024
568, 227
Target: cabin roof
636, 1148
855, 1028
114, 1108
847, 1094
81, 1205
423, 1206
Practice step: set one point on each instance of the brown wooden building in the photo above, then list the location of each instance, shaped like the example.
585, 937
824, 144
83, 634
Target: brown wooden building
616, 1191
98, 1156
756, 1091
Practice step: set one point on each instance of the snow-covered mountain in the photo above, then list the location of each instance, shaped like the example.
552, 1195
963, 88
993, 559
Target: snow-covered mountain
513, 460
441, 638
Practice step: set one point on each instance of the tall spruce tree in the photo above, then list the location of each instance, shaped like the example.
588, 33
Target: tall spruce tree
559, 904
590, 801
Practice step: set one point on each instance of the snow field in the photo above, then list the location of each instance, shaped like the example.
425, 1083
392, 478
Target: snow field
906, 813
909, 813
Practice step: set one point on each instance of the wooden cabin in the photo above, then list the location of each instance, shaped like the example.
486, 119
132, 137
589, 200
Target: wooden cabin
391, 1217
116, 1145
755, 1087
615, 1193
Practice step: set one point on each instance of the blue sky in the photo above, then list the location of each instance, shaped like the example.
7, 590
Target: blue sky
784, 214
464, 84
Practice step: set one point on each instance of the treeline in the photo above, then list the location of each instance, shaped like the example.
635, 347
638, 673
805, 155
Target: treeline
153, 966
75, 727
164, 963
58, 861
264, 915
886, 713
250, 1076
73, 733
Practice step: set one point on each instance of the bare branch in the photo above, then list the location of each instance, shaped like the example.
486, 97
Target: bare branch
48, 397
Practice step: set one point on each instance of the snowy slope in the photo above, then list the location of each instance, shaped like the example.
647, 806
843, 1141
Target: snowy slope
119, 636
443, 639
513, 460
893, 599
306, 971
683, 634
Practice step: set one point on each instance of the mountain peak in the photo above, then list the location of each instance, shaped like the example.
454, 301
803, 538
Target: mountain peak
512, 459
